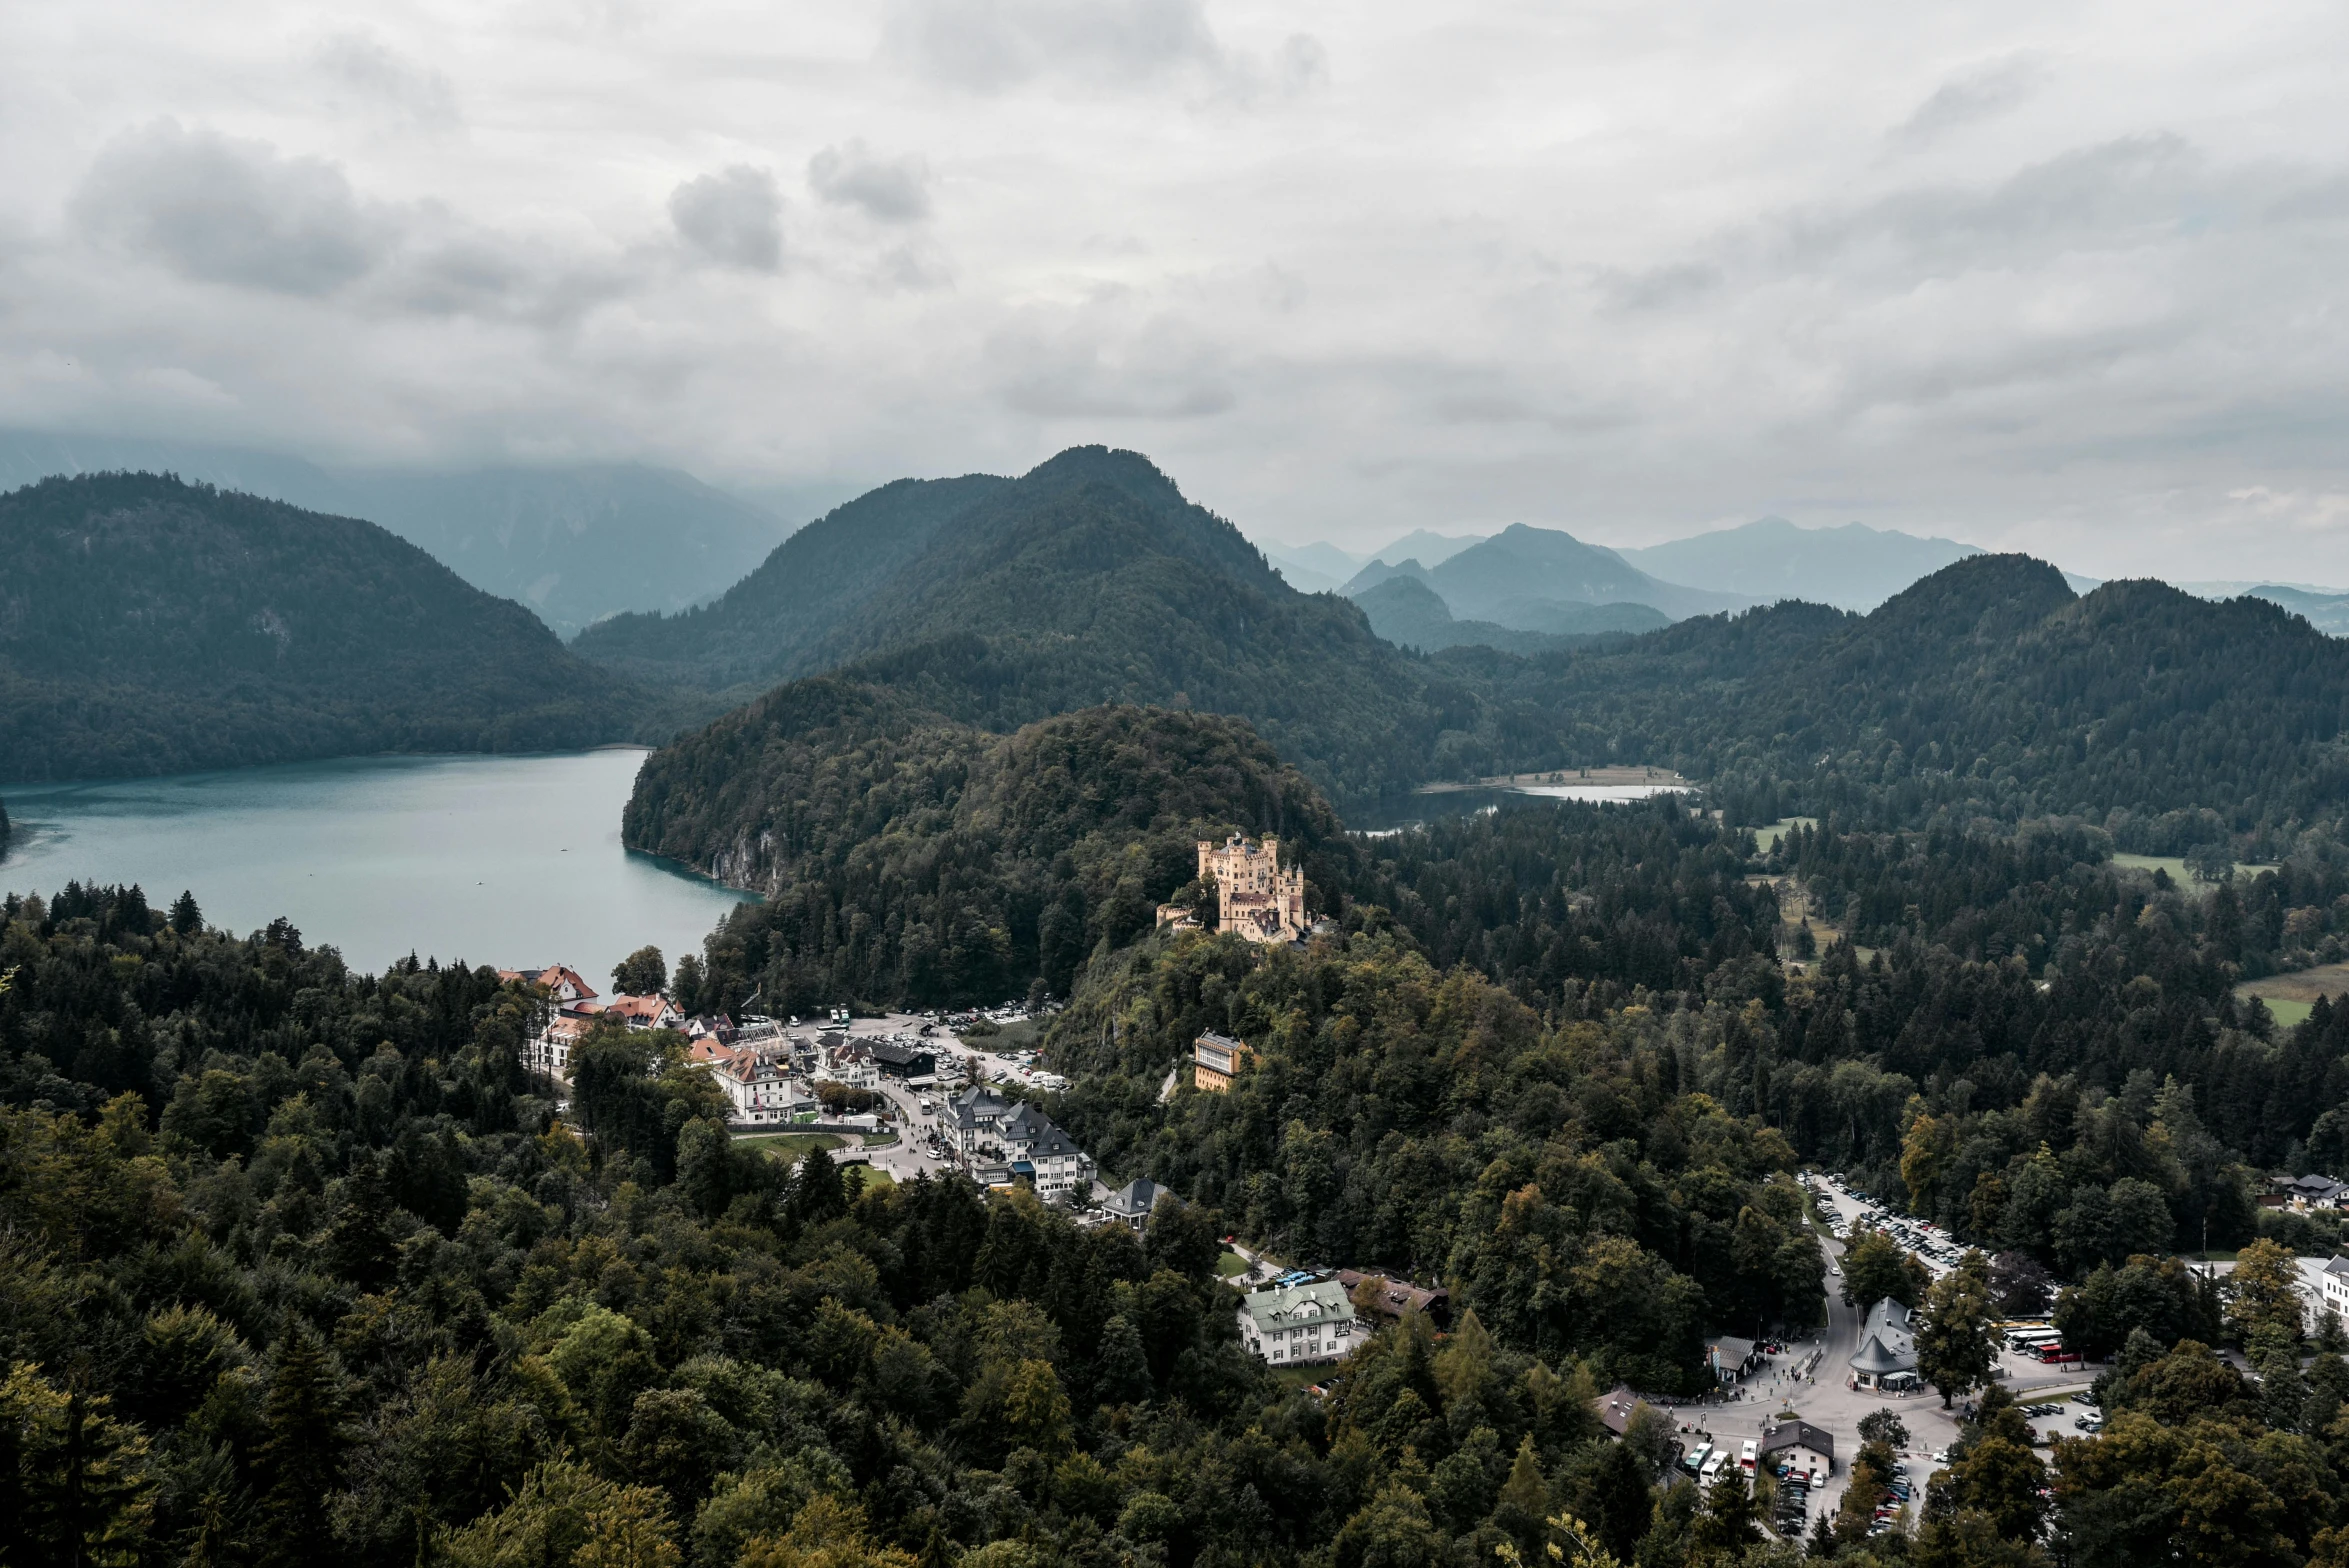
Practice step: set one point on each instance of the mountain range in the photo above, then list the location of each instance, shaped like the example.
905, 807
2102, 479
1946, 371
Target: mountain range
1853, 567
575, 543
1407, 612
1520, 575
149, 625
1088, 580
1987, 688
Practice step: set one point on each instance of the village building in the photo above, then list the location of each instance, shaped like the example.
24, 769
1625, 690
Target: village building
893, 1059
2334, 1295
1730, 1357
986, 1133
1392, 1298
2308, 1192
1133, 1202
1616, 1407
1217, 1059
1054, 1164
644, 1012
548, 1048
1299, 1324
547, 1051
758, 1090
1254, 894
1887, 1357
1801, 1447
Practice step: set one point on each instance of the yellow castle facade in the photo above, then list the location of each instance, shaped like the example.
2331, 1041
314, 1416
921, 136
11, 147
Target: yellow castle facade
1254, 895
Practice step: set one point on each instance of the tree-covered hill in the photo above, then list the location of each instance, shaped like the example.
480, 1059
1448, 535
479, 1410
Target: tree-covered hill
770, 624
151, 626
915, 861
1089, 580
1988, 688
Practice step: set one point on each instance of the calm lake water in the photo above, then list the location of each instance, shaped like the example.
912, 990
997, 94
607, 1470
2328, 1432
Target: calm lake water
1410, 811
512, 861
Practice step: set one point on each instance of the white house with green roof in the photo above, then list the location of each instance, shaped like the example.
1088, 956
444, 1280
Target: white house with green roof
1300, 1324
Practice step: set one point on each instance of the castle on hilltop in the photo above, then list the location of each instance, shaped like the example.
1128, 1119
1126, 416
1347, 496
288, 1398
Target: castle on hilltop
1254, 895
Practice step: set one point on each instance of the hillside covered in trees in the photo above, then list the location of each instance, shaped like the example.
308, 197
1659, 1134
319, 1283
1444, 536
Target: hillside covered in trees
150, 626
301, 1267
1986, 689
1089, 580
918, 862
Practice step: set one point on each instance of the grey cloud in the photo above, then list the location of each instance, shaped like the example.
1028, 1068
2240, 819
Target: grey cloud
2124, 194
225, 210
735, 217
1659, 288
1978, 93
366, 67
1091, 367
890, 190
991, 45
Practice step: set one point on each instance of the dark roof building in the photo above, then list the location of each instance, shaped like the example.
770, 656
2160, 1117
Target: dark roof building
1396, 1297
1615, 1406
1887, 1356
1133, 1202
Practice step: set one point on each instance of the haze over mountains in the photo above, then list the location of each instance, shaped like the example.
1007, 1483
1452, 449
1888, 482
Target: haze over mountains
575, 543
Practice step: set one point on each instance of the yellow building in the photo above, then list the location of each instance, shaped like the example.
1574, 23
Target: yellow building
1216, 1060
1254, 894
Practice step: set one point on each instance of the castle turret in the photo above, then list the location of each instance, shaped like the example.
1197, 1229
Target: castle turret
1255, 895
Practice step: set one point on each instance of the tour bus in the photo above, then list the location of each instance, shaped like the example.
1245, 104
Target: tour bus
2033, 1339
1696, 1459
1747, 1455
1713, 1468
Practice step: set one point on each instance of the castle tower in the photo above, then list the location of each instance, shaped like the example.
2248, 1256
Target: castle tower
1255, 895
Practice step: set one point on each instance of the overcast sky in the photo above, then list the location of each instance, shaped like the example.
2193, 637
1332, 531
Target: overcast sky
2059, 276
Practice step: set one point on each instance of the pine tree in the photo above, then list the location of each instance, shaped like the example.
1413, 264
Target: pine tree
186, 918
818, 1194
299, 1459
1123, 1371
359, 1241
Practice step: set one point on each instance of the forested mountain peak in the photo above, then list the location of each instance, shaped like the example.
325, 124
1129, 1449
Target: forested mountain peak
150, 625
766, 624
1088, 580
1985, 598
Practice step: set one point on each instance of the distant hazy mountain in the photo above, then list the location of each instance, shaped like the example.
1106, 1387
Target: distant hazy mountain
1853, 567
2327, 612
575, 543
1383, 571
153, 626
1311, 568
1429, 549
1510, 577
1408, 613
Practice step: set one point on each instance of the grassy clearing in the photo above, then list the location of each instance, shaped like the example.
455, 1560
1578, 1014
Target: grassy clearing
789, 1147
1766, 839
2289, 997
1303, 1377
873, 1176
2177, 867
1228, 1264
1013, 1037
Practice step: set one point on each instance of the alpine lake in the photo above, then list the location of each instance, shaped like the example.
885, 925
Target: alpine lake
511, 861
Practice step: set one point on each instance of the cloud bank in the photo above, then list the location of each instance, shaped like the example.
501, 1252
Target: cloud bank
2016, 276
